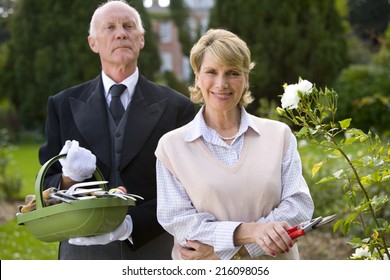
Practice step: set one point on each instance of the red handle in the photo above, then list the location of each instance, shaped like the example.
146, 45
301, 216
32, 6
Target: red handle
295, 232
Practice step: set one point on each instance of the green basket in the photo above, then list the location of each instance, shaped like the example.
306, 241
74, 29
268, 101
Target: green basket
79, 218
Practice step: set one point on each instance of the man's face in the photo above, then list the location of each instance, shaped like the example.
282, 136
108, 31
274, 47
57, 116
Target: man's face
117, 39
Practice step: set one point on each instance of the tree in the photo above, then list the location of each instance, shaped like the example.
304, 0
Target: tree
369, 19
287, 39
149, 61
48, 52
365, 91
180, 14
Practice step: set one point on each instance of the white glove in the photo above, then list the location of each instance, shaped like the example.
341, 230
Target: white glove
79, 163
121, 233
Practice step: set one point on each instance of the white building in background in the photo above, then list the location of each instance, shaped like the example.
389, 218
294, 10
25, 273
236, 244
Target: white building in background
200, 13
169, 46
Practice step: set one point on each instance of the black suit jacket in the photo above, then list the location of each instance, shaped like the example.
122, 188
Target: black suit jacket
80, 113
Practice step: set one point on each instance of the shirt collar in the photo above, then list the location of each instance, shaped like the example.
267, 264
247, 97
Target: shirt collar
130, 82
198, 127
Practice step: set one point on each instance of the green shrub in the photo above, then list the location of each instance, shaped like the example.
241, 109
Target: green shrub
365, 91
327, 197
9, 119
10, 185
364, 96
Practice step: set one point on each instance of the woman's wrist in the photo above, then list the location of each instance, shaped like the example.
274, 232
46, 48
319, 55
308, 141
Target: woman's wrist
244, 233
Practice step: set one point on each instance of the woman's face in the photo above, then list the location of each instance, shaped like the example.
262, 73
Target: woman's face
221, 86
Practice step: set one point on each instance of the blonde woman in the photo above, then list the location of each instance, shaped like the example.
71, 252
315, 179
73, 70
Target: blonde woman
229, 184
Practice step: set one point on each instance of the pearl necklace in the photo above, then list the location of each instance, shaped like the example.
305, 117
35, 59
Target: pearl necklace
228, 138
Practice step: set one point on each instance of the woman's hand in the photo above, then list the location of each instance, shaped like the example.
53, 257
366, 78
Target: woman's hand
272, 237
197, 251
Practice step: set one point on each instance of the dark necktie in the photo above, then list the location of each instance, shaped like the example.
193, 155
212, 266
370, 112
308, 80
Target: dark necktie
116, 106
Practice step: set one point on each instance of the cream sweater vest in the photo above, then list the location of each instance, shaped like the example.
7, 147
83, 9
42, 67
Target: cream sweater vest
244, 192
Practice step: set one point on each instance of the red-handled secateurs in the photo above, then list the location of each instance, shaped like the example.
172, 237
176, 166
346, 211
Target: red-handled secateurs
307, 226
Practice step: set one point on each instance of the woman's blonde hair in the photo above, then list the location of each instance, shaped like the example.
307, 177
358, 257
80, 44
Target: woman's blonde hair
227, 49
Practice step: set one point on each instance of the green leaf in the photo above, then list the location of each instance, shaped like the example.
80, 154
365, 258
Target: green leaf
302, 132
367, 232
337, 225
345, 228
335, 154
363, 207
351, 218
366, 240
378, 201
355, 131
366, 181
324, 115
355, 242
338, 173
350, 140
345, 123
376, 176
326, 180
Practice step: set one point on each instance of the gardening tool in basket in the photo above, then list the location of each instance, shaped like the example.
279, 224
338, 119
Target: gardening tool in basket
307, 226
79, 217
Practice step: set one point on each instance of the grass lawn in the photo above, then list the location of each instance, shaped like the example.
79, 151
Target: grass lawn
25, 164
16, 242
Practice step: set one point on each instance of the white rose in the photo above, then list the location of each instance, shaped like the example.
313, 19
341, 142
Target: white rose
305, 87
290, 97
361, 252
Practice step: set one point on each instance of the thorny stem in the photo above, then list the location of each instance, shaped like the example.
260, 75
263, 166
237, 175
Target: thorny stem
364, 226
301, 121
364, 192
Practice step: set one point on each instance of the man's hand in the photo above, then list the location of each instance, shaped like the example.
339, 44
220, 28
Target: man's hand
79, 163
123, 232
198, 251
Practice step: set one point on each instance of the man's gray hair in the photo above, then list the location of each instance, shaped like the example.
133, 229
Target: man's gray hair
92, 31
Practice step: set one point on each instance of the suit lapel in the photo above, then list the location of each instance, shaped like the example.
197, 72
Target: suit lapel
142, 118
90, 113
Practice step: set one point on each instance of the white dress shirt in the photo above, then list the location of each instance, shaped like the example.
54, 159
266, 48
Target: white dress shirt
130, 82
